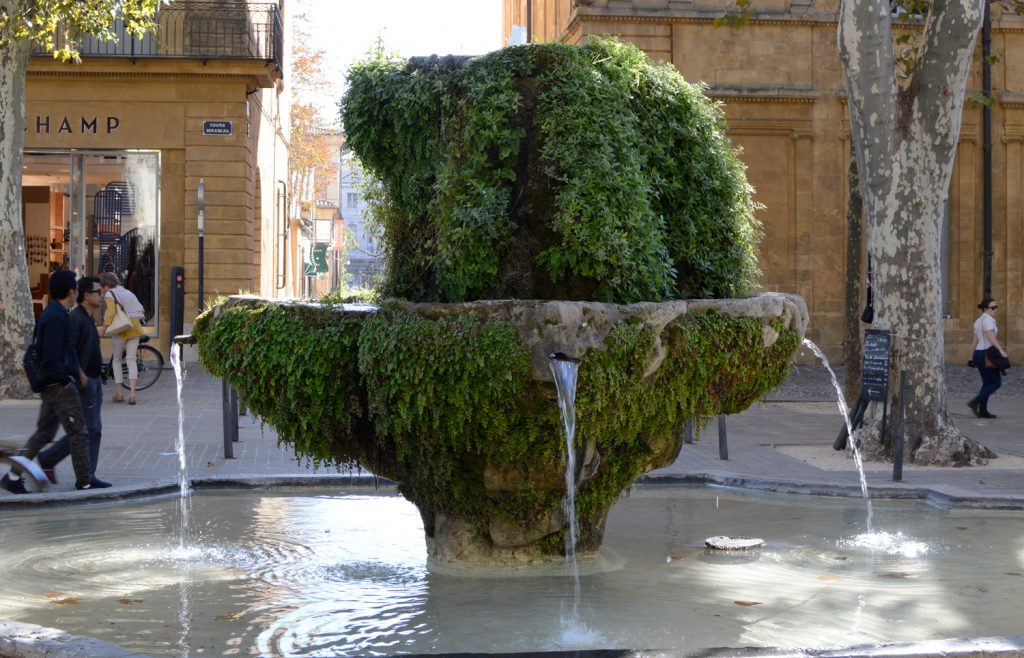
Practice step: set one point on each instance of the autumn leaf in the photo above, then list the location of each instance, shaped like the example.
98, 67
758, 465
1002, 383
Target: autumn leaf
53, 595
747, 602
228, 617
829, 578
68, 601
1011, 573
129, 601
894, 574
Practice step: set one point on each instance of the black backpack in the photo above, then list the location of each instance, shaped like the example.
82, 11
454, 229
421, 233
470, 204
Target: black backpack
33, 364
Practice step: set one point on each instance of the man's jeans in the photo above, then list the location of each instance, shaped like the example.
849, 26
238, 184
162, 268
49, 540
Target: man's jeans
62, 406
92, 398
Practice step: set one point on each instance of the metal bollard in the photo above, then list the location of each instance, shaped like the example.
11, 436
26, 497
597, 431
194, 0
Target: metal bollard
229, 414
897, 447
688, 432
723, 440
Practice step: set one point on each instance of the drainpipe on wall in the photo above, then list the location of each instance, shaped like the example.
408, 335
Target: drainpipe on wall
986, 122
529, 21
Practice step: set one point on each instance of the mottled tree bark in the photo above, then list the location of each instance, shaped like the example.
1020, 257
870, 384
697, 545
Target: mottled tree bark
16, 319
905, 139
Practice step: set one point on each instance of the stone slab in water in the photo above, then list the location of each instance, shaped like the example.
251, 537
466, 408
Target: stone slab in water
724, 543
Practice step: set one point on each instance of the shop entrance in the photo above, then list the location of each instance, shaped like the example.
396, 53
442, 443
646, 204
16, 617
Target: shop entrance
93, 212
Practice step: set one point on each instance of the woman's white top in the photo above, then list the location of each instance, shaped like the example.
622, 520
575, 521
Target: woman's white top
985, 323
132, 305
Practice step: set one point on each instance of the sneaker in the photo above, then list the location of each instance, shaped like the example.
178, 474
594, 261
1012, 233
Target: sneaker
83, 486
96, 483
985, 414
14, 486
973, 404
50, 475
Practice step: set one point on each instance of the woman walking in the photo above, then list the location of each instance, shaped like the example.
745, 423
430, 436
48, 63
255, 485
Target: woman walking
985, 336
126, 342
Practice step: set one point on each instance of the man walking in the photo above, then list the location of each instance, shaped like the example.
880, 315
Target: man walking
86, 341
61, 404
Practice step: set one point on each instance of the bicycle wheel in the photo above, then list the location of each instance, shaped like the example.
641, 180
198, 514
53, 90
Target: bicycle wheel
150, 363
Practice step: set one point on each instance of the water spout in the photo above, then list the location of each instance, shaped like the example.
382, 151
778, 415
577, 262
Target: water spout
845, 412
564, 368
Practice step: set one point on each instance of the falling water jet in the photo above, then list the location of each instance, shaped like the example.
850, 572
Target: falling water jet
845, 412
564, 368
185, 607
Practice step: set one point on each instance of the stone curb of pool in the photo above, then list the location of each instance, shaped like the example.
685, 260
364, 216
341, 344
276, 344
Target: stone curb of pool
936, 495
20, 640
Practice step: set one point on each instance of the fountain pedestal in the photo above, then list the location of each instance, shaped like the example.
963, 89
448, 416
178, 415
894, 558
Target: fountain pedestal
456, 402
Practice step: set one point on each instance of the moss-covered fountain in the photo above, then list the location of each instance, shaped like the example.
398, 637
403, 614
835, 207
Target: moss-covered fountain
590, 182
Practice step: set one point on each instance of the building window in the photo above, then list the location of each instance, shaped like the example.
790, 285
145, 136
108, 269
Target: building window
93, 213
351, 199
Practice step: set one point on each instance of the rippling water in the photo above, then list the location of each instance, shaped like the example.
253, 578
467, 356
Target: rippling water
304, 573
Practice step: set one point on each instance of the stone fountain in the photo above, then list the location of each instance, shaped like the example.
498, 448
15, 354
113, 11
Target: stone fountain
538, 199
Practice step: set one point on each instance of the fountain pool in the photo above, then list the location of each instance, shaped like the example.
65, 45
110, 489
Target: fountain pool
345, 572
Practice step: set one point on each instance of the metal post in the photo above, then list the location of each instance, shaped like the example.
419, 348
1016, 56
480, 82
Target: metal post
229, 417
688, 432
201, 200
723, 440
986, 149
897, 447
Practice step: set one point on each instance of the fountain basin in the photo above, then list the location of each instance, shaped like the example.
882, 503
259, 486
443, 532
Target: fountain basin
456, 402
343, 572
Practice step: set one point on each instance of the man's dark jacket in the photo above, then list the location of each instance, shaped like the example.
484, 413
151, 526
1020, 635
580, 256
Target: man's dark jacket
86, 341
56, 351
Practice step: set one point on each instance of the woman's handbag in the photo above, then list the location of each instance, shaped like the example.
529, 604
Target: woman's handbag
121, 321
995, 360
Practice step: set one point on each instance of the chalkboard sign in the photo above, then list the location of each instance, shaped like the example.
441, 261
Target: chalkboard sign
874, 374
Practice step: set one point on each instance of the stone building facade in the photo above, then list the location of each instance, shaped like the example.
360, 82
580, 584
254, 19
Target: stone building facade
780, 80
116, 147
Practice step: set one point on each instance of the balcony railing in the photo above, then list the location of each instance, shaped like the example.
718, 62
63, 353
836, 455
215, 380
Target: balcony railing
197, 30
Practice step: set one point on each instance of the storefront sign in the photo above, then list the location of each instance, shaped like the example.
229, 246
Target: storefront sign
63, 125
217, 128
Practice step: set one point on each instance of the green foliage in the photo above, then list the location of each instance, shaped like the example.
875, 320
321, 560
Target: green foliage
41, 21
550, 171
436, 404
346, 295
294, 367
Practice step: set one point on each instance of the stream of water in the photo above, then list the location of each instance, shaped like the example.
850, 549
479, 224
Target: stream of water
184, 509
845, 413
565, 371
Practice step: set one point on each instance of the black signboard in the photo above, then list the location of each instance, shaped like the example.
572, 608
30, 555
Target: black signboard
216, 127
874, 374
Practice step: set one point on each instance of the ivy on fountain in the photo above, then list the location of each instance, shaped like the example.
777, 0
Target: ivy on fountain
436, 403
551, 172
295, 368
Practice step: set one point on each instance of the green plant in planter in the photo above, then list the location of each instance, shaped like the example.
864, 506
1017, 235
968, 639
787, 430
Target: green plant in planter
449, 407
542, 172
551, 172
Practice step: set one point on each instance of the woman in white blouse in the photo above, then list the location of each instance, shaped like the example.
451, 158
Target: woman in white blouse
986, 336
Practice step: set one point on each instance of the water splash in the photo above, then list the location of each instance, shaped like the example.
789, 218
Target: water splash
845, 412
565, 369
184, 503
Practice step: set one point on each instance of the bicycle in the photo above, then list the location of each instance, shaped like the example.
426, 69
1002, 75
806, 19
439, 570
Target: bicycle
149, 361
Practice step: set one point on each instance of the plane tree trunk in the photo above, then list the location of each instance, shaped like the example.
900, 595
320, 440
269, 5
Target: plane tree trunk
16, 319
905, 137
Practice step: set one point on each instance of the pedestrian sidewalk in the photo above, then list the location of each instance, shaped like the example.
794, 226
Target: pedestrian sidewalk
782, 444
